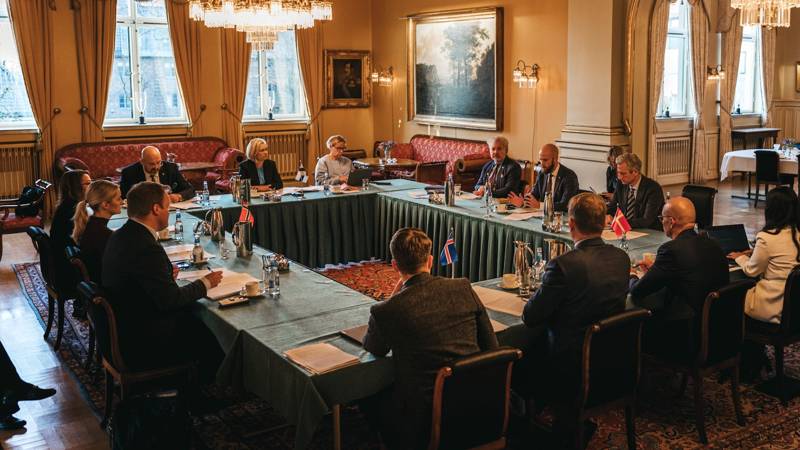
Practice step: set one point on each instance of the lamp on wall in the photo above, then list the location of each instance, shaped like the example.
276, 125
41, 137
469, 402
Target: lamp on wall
384, 77
715, 73
525, 75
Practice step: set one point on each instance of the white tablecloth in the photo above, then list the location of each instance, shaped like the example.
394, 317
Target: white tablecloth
745, 161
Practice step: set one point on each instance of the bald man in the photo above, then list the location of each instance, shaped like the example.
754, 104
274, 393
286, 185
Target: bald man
554, 177
150, 167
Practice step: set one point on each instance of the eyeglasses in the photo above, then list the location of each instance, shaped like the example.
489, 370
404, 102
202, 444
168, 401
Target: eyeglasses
661, 218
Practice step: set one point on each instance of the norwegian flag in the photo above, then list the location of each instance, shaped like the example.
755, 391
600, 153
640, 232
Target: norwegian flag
620, 224
245, 216
449, 254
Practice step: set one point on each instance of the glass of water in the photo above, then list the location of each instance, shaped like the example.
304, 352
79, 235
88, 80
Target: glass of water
365, 184
458, 189
326, 189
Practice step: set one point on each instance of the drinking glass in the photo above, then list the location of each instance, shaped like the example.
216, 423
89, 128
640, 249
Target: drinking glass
365, 184
458, 189
557, 222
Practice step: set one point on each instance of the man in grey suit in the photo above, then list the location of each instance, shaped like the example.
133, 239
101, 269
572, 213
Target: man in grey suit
640, 198
427, 322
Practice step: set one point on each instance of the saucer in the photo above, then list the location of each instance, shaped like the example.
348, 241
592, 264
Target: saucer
508, 287
260, 293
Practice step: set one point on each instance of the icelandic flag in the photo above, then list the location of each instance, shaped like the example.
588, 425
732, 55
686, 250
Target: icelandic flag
620, 224
245, 216
449, 254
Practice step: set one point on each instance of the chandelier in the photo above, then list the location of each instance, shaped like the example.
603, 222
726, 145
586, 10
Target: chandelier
766, 13
261, 20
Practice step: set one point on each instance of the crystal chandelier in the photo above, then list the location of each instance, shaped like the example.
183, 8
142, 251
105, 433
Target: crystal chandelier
765, 13
261, 20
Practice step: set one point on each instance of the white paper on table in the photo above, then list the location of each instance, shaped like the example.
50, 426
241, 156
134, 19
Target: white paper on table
295, 189
505, 302
468, 196
183, 252
191, 275
609, 235
321, 358
231, 284
522, 216
186, 204
497, 326
418, 194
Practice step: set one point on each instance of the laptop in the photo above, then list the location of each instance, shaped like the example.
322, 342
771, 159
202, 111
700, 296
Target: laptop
357, 176
732, 238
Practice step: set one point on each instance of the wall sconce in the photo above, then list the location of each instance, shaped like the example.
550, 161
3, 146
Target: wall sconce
383, 77
715, 73
525, 75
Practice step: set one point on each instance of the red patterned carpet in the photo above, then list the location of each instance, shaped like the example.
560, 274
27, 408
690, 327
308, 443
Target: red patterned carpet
373, 278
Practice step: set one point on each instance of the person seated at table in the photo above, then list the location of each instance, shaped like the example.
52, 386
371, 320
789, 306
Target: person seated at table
426, 323
258, 168
502, 172
333, 168
91, 232
578, 288
674, 285
14, 390
156, 326
611, 172
639, 197
150, 167
555, 178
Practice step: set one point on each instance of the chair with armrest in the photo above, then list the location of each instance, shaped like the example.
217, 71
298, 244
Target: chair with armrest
703, 199
11, 222
780, 336
41, 242
228, 160
82, 274
471, 399
768, 172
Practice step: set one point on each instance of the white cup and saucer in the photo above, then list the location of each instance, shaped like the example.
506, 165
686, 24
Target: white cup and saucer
509, 281
252, 289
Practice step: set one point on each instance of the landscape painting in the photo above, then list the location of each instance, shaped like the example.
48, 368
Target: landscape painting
456, 69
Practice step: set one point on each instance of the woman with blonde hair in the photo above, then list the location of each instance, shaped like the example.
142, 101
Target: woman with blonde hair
258, 168
91, 232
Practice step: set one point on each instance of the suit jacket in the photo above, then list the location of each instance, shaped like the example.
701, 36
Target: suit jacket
149, 305
688, 268
566, 187
248, 170
431, 321
649, 202
93, 244
61, 237
507, 179
168, 175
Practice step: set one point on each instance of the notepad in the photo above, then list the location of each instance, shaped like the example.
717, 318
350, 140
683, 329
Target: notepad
504, 302
320, 358
183, 252
186, 204
356, 333
497, 326
609, 235
231, 284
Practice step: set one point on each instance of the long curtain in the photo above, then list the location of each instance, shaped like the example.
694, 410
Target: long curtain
731, 50
185, 36
658, 46
309, 55
768, 72
235, 65
699, 40
95, 26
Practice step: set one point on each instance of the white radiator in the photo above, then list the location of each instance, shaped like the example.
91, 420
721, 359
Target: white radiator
19, 167
286, 148
673, 159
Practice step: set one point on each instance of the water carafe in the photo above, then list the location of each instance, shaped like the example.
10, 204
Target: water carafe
244, 192
547, 211
216, 224
235, 185
243, 238
522, 267
450, 191
556, 248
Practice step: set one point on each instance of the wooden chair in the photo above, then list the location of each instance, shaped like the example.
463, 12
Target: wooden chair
11, 223
610, 369
82, 274
719, 347
768, 172
780, 336
470, 401
41, 242
116, 370
703, 199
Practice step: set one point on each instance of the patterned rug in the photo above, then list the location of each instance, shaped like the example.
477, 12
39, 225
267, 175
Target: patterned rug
662, 420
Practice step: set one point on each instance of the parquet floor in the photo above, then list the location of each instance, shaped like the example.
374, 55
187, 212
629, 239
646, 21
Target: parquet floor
65, 420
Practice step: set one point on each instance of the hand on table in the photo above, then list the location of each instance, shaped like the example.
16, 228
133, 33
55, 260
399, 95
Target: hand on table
343, 178
478, 192
175, 271
734, 255
174, 198
214, 278
526, 200
263, 188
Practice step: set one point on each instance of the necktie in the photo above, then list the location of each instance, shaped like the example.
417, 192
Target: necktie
152, 178
630, 204
493, 174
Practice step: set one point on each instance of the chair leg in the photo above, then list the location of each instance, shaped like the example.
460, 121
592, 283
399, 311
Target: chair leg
51, 306
737, 400
109, 399
60, 325
699, 415
780, 386
90, 355
630, 426
758, 188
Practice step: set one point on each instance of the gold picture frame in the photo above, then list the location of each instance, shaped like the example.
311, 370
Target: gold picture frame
347, 79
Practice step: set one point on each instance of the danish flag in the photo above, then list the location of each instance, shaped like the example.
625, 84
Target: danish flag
245, 216
620, 224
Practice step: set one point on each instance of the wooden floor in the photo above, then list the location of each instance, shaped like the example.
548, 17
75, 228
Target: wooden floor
65, 420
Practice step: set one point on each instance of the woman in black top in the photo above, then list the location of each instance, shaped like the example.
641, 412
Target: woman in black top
261, 171
92, 232
71, 189
611, 172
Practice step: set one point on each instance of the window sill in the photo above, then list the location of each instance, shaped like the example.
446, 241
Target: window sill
277, 124
14, 135
133, 126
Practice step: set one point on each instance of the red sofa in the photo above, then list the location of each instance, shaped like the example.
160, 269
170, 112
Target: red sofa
102, 159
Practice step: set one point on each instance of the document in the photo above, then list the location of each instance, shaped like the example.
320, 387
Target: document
497, 326
609, 235
418, 194
467, 196
186, 204
504, 302
231, 284
320, 358
522, 216
183, 252
294, 190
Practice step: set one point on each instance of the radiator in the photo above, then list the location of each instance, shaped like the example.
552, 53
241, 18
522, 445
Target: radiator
19, 167
286, 148
673, 158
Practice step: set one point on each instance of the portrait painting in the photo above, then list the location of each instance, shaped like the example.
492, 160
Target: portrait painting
455, 62
347, 82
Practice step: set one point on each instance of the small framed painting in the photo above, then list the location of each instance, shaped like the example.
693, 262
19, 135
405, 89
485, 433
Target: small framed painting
347, 82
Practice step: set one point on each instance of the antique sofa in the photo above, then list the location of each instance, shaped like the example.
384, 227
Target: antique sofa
102, 159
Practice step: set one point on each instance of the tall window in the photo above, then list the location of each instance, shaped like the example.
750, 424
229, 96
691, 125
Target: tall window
143, 80
676, 90
274, 82
15, 108
749, 82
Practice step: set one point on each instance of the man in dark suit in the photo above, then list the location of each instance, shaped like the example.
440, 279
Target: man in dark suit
554, 177
427, 322
639, 197
151, 168
156, 327
578, 289
684, 271
502, 172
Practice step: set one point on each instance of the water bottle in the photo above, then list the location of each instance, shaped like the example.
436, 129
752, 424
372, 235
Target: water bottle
265, 271
197, 250
206, 200
275, 280
178, 226
326, 189
538, 267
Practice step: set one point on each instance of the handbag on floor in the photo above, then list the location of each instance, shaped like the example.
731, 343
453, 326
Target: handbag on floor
153, 421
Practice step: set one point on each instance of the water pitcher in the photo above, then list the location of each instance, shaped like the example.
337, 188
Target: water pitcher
243, 238
556, 248
216, 224
522, 267
244, 192
547, 210
235, 185
450, 191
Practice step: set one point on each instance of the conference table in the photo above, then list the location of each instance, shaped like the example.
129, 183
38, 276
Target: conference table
745, 161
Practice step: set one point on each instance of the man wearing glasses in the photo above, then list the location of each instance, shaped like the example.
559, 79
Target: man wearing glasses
150, 167
333, 168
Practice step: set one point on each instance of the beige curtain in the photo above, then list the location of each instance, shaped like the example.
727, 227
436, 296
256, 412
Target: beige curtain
699, 41
768, 72
731, 51
235, 64
185, 35
658, 47
309, 54
95, 26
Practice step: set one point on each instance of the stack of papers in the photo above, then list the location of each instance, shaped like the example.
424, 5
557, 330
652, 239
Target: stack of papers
504, 302
320, 358
182, 252
232, 283
186, 204
418, 194
609, 235
517, 216
468, 196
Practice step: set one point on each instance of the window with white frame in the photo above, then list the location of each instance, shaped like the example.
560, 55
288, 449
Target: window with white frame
15, 108
749, 81
676, 88
274, 83
144, 80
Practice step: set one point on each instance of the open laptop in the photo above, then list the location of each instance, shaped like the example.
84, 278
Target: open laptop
356, 177
732, 238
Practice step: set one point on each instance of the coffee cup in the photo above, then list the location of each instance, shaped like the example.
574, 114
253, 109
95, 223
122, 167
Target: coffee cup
251, 288
509, 279
648, 258
502, 207
163, 234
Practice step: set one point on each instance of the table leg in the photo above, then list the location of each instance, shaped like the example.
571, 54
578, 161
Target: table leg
337, 427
